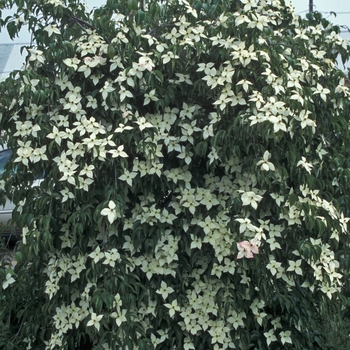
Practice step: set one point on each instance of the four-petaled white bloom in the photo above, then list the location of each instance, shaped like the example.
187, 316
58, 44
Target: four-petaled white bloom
9, 280
36, 55
323, 92
66, 193
111, 257
128, 176
285, 337
150, 97
119, 316
245, 84
305, 165
110, 212
270, 336
295, 266
122, 127
124, 93
164, 290
38, 154
250, 198
265, 164
169, 56
173, 307
143, 124
57, 135
24, 152
52, 29
95, 320
118, 152
107, 88
305, 121
97, 255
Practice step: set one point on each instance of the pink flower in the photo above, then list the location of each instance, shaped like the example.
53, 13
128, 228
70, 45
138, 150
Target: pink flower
246, 249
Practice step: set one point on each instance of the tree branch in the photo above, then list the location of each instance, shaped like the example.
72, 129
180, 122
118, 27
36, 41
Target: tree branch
83, 25
152, 31
81, 22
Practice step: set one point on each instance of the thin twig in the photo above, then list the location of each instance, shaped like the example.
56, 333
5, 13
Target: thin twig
83, 25
81, 22
84, 30
171, 25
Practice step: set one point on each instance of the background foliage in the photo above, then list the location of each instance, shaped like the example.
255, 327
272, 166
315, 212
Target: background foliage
196, 177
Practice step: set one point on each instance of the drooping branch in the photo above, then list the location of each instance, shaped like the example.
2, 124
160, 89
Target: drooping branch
154, 30
83, 25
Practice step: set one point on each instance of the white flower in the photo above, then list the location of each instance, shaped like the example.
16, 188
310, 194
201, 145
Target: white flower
36, 55
285, 337
110, 212
150, 97
250, 198
118, 152
143, 124
57, 135
320, 151
119, 317
84, 183
128, 176
97, 255
124, 93
295, 266
168, 57
24, 152
87, 170
38, 154
72, 62
173, 307
146, 63
164, 290
245, 84
9, 280
259, 22
66, 193
95, 321
206, 67
25, 231
111, 257
265, 164
273, 266
208, 131
304, 164
237, 319
52, 29
270, 337
305, 121
211, 78
323, 92
122, 127
328, 290
107, 88
278, 123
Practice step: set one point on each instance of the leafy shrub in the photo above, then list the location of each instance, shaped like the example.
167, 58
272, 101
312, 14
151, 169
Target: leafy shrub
196, 161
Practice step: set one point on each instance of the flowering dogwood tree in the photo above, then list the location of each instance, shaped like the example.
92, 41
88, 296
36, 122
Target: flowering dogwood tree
195, 162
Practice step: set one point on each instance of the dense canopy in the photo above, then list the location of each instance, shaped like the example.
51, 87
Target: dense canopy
196, 176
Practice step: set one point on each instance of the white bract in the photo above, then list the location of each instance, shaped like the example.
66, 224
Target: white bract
265, 164
8, 281
110, 212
